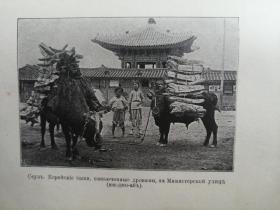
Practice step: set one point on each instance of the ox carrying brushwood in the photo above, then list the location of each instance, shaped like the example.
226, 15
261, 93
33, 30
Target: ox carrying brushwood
74, 103
163, 115
180, 98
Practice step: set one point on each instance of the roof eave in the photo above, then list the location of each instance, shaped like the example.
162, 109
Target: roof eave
114, 47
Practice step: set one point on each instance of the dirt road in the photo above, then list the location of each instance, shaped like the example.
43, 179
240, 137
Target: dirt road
184, 151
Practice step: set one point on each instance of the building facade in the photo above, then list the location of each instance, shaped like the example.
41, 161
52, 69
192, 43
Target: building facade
107, 79
27, 76
143, 55
147, 48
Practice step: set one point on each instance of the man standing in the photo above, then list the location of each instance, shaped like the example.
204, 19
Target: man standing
135, 101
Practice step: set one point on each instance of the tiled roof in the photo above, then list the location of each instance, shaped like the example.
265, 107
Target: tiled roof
28, 72
148, 37
122, 73
210, 75
213, 75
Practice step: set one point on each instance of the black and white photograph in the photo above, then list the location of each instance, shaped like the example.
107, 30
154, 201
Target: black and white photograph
149, 93
139, 105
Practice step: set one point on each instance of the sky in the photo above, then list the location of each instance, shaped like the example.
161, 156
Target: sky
78, 32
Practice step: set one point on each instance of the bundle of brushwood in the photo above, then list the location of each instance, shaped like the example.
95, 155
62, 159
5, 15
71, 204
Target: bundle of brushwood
184, 88
31, 111
64, 63
191, 109
46, 81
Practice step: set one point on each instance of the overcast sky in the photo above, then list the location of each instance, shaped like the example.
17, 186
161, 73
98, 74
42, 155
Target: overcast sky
78, 32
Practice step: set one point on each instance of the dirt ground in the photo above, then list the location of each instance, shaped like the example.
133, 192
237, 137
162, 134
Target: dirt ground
184, 151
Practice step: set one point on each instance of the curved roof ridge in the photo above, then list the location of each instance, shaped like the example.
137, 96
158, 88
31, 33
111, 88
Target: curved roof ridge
150, 35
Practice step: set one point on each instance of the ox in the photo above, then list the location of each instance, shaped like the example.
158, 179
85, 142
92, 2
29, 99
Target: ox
163, 118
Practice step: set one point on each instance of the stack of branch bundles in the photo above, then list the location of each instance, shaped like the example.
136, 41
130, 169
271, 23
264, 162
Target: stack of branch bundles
31, 111
46, 80
43, 85
48, 74
185, 87
64, 64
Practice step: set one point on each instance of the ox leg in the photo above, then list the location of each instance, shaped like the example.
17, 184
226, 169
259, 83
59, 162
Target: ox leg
215, 131
74, 148
51, 130
161, 131
166, 132
43, 122
208, 135
212, 126
67, 136
208, 128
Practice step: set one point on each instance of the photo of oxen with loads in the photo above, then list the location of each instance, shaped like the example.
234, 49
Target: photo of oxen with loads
140, 93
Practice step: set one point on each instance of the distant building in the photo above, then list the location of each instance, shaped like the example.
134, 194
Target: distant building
213, 84
147, 48
143, 56
27, 77
107, 79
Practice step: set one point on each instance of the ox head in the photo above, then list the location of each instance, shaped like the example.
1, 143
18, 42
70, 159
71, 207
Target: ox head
92, 129
158, 98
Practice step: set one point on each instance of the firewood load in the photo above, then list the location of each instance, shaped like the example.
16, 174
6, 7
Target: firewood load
44, 87
64, 63
57, 63
184, 87
45, 84
32, 110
